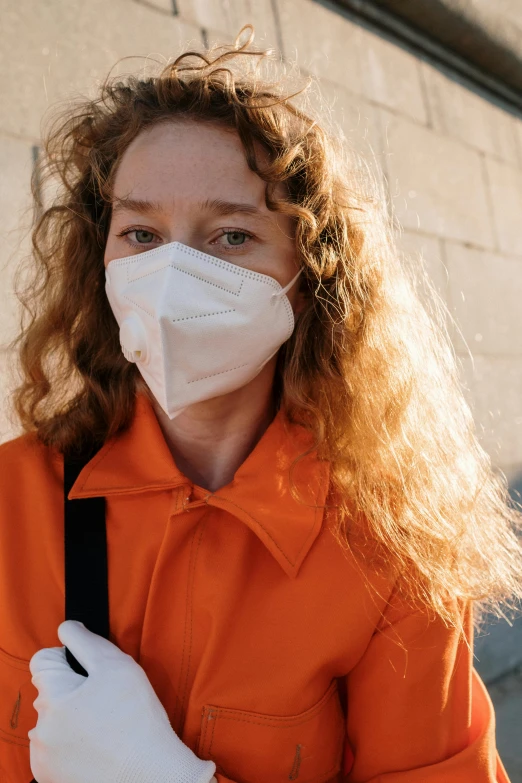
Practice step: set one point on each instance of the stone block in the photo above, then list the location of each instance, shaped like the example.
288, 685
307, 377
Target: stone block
9, 426
218, 38
518, 133
502, 9
229, 16
16, 162
269, 69
391, 76
424, 254
353, 120
461, 113
322, 41
505, 184
498, 649
436, 183
485, 297
166, 7
68, 48
492, 386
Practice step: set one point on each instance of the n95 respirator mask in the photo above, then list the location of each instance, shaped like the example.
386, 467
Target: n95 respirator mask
197, 327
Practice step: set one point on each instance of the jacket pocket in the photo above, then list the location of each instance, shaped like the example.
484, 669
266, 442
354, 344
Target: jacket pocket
251, 747
17, 717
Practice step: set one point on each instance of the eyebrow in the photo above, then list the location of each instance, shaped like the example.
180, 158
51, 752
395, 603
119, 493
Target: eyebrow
136, 205
218, 206
221, 207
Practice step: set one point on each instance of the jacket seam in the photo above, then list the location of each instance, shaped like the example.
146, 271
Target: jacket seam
276, 721
189, 619
125, 489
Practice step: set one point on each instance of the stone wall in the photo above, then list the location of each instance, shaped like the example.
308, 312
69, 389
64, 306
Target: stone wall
449, 156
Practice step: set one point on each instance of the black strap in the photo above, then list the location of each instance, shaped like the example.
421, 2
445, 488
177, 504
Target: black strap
86, 574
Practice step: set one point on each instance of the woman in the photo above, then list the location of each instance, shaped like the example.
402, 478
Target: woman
300, 522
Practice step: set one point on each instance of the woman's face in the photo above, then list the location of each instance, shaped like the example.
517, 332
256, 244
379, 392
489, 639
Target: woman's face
189, 182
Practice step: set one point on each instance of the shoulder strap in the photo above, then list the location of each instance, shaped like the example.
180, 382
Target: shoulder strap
86, 576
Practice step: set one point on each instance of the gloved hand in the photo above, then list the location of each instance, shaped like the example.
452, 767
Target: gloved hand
109, 727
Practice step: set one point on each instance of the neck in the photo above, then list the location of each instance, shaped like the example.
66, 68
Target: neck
210, 440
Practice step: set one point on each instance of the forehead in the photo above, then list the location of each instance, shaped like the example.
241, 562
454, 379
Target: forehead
187, 160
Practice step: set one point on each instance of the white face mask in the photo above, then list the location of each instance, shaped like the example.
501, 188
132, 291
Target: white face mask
196, 326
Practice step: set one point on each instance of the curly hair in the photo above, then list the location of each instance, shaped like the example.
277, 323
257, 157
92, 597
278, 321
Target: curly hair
369, 370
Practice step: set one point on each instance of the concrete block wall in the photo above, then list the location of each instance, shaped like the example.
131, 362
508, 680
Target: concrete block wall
450, 159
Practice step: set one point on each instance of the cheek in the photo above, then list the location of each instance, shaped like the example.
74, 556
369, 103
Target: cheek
287, 254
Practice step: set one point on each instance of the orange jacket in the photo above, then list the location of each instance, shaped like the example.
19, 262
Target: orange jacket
259, 635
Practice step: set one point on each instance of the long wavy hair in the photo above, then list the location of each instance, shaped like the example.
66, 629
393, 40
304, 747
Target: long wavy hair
369, 370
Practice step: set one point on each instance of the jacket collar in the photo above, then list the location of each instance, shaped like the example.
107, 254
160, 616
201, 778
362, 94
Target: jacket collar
280, 497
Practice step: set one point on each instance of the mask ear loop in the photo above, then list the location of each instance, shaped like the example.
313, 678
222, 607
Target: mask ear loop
273, 298
287, 287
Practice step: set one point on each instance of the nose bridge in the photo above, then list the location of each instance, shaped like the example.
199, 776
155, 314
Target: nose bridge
184, 223
185, 235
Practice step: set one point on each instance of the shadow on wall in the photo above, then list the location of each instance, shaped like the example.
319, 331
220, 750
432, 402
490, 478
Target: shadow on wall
498, 649
515, 488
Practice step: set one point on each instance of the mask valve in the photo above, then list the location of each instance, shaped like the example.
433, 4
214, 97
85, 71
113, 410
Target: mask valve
133, 340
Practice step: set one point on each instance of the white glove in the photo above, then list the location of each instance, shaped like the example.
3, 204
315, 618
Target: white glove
109, 727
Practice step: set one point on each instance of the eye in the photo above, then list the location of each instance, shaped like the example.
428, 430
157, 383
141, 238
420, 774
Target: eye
232, 238
143, 237
236, 237
139, 236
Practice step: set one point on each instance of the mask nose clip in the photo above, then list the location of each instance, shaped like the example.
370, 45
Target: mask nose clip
133, 340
